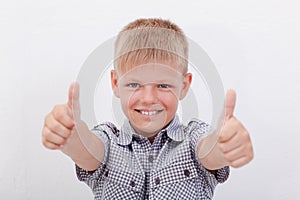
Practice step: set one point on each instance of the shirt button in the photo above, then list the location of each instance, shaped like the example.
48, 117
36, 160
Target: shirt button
132, 183
157, 181
186, 172
106, 174
151, 158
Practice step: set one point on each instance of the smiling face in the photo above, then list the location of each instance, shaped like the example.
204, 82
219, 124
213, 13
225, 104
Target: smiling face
149, 95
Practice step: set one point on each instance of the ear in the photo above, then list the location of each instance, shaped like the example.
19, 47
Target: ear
186, 85
114, 82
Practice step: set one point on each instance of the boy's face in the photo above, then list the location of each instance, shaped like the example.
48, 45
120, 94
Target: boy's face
149, 95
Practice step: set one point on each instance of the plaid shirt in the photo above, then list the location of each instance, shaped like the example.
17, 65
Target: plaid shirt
133, 168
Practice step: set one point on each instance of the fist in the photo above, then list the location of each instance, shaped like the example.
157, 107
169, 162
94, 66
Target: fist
232, 147
234, 142
59, 123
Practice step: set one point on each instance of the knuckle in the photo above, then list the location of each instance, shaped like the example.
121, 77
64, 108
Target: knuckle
61, 114
59, 111
56, 108
47, 118
44, 142
51, 146
48, 145
235, 164
222, 148
46, 133
56, 127
251, 154
236, 123
245, 134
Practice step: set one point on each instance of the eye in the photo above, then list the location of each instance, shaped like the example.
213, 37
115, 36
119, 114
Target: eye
133, 85
164, 86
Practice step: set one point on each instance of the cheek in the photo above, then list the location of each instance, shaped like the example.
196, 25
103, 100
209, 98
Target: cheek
128, 99
170, 100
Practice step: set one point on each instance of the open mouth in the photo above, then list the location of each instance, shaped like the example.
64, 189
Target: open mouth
148, 113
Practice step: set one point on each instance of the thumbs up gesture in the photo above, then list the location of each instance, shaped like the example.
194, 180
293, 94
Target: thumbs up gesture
60, 122
63, 129
233, 147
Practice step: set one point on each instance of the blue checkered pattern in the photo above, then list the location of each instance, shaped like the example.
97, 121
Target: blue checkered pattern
133, 168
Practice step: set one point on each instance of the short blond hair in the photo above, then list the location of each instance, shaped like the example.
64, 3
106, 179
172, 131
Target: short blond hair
151, 40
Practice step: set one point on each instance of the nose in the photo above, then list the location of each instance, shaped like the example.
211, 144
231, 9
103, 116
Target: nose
149, 94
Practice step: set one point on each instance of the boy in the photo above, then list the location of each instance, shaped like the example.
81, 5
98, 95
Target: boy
153, 156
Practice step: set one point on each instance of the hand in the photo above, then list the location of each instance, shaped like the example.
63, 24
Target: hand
233, 147
64, 130
234, 141
59, 123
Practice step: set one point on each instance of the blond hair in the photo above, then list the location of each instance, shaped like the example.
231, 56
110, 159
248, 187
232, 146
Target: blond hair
151, 40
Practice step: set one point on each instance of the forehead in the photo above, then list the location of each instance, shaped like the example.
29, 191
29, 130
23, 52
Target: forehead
150, 66
151, 72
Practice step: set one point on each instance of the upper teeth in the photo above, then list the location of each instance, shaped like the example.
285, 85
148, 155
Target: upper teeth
148, 113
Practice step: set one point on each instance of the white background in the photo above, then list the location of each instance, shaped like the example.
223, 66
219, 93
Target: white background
254, 44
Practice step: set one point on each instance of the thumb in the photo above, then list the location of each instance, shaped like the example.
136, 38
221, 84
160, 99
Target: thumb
73, 100
230, 103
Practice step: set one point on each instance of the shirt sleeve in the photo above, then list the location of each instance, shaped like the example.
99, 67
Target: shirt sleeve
91, 177
222, 174
198, 130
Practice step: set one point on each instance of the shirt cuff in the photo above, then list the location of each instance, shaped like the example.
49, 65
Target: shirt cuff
86, 176
222, 174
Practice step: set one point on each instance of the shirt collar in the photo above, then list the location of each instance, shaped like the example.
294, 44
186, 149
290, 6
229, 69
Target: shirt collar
174, 130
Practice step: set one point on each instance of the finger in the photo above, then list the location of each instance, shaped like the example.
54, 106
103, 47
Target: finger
61, 114
246, 158
240, 162
234, 154
230, 103
56, 127
70, 95
73, 100
243, 151
229, 130
50, 145
51, 137
231, 144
